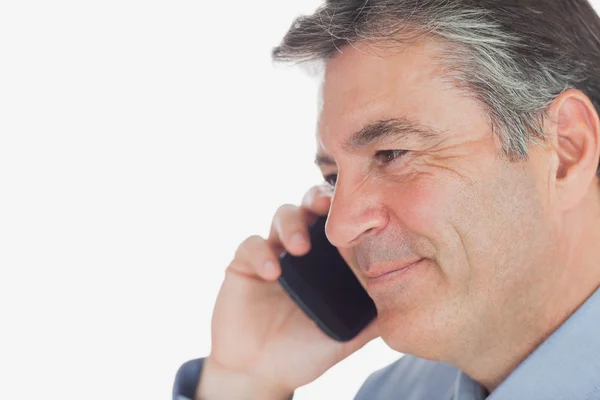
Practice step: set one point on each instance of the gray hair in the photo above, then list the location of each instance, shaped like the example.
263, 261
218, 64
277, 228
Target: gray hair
512, 56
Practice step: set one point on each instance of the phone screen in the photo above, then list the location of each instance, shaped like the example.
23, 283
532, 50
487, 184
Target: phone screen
325, 287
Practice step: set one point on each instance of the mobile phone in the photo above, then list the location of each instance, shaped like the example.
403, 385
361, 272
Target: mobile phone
325, 288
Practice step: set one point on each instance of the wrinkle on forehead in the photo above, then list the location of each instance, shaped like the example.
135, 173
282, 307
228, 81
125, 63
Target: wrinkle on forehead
360, 86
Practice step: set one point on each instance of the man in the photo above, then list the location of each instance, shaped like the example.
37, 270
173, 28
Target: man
461, 141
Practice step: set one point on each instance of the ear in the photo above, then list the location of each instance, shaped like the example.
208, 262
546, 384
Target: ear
575, 138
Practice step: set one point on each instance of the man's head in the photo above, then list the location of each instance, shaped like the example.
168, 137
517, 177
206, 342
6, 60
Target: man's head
463, 134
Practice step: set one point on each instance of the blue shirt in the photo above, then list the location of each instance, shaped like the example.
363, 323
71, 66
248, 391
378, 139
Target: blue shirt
566, 366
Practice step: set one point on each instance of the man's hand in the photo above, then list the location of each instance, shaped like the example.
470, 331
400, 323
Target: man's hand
263, 345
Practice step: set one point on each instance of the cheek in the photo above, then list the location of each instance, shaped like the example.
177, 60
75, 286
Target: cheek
504, 220
422, 206
432, 208
413, 319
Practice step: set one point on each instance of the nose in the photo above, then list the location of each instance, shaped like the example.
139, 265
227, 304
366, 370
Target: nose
356, 211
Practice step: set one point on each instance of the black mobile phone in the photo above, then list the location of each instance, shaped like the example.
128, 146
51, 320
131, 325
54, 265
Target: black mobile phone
325, 288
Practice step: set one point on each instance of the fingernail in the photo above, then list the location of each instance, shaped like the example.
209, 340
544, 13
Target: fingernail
298, 239
269, 266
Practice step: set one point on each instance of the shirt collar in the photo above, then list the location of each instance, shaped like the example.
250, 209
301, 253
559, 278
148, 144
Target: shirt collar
466, 388
566, 365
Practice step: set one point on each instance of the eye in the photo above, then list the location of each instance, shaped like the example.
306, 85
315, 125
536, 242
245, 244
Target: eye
387, 156
331, 179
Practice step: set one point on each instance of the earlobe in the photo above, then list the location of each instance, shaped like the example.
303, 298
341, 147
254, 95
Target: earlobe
576, 144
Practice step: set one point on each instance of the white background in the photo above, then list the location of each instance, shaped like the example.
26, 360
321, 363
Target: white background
140, 143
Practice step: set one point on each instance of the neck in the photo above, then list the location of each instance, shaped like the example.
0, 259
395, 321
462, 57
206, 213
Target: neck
574, 277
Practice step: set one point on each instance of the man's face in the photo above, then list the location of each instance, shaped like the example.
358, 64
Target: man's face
479, 223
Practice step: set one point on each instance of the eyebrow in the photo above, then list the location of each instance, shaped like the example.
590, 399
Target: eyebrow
382, 131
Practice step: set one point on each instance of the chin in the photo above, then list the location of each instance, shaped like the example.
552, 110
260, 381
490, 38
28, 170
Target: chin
413, 334
397, 332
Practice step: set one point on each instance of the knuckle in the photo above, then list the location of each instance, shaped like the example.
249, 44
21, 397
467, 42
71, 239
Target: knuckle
315, 193
285, 215
323, 190
248, 245
238, 266
308, 197
254, 240
285, 209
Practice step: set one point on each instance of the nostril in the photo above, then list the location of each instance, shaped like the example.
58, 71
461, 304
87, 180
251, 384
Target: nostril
367, 232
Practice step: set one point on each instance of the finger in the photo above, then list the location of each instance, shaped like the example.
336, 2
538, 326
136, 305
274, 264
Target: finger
254, 257
318, 199
289, 230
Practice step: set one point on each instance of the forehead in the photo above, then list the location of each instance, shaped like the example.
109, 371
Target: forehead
364, 84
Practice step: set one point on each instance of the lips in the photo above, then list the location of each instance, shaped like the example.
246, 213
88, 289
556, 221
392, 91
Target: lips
375, 271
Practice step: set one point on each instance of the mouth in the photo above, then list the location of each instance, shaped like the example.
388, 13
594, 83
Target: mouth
381, 275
